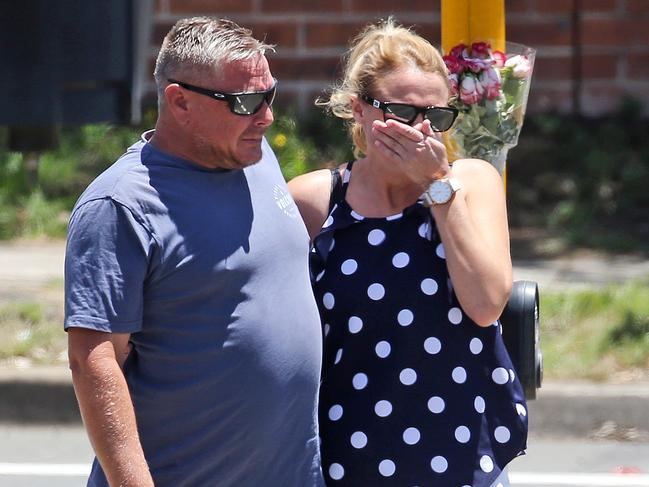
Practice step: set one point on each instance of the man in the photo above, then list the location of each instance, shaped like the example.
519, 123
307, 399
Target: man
194, 338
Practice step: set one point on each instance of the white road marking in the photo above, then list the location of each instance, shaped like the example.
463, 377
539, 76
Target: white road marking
516, 478
579, 479
46, 469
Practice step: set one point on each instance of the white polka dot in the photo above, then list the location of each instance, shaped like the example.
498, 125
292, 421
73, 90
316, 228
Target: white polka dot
358, 439
462, 434
387, 468
328, 222
500, 375
486, 463
479, 404
459, 375
332, 244
376, 237
429, 286
441, 253
436, 404
400, 260
432, 345
355, 324
405, 317
336, 471
408, 377
383, 349
359, 381
376, 291
512, 375
411, 436
455, 316
439, 464
383, 408
328, 300
335, 412
357, 216
339, 355
520, 409
327, 329
502, 434
423, 230
319, 276
475, 346
349, 267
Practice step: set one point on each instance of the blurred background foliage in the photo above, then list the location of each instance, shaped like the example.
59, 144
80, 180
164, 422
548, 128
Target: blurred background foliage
582, 182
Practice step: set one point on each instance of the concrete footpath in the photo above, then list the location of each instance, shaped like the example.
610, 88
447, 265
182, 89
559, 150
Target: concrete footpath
39, 395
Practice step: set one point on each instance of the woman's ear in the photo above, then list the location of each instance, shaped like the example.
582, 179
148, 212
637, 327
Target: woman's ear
358, 109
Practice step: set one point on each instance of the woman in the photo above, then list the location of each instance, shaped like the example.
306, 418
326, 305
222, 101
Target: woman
411, 271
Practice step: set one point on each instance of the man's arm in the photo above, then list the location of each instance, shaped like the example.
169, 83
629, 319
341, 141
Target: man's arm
105, 403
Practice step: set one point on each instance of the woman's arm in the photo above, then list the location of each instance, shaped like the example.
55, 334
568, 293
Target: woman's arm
311, 193
475, 234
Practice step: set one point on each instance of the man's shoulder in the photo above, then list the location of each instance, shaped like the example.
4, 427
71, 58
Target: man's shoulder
119, 180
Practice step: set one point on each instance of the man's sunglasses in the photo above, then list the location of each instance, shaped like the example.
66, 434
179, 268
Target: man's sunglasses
245, 103
441, 118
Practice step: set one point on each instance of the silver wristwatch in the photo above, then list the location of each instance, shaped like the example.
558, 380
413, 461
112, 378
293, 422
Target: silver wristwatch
441, 191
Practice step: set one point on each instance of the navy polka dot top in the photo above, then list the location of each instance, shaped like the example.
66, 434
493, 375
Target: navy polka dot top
413, 392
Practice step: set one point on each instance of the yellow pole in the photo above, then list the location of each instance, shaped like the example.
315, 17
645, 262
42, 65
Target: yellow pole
468, 21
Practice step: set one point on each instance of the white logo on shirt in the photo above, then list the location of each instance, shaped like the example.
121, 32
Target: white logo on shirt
285, 201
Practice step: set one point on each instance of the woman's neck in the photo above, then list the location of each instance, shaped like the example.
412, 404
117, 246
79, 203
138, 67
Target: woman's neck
377, 191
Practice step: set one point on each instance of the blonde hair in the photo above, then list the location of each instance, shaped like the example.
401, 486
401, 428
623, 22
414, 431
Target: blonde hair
379, 49
196, 47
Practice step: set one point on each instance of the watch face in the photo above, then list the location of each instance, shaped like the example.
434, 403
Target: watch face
440, 192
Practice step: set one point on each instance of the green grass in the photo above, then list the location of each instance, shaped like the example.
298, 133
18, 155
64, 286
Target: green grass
596, 334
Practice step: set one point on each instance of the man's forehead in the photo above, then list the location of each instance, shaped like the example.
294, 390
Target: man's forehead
243, 74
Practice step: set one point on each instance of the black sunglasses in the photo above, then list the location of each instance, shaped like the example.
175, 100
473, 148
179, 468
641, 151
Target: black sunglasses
245, 103
441, 118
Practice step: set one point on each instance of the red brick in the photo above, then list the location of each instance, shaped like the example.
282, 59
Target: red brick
638, 66
615, 32
209, 6
563, 6
331, 34
376, 6
517, 6
599, 66
283, 35
637, 7
539, 33
552, 68
329, 6
305, 68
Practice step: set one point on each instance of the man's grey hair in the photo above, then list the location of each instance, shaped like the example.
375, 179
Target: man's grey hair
196, 47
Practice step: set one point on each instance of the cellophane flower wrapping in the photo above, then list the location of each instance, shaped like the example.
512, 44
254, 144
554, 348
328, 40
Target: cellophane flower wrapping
490, 90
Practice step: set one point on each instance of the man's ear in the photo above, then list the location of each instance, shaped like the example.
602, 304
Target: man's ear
177, 102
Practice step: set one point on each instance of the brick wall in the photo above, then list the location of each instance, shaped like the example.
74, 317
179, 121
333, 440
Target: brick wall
591, 53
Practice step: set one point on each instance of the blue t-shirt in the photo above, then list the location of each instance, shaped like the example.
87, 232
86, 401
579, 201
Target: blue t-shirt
207, 270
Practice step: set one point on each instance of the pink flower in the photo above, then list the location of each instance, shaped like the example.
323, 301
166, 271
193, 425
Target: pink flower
457, 51
521, 67
471, 90
453, 81
481, 50
500, 58
490, 81
453, 64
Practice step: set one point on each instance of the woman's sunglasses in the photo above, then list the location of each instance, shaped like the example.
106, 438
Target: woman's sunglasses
441, 118
245, 103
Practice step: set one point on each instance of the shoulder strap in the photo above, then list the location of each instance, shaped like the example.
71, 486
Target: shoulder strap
339, 185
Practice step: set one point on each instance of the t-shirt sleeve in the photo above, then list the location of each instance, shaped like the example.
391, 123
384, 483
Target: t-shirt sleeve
106, 264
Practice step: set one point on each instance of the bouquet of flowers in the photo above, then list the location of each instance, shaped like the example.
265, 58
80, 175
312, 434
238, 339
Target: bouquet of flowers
490, 90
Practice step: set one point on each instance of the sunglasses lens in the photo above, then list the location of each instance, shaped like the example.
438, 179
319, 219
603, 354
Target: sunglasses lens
441, 119
251, 103
402, 113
